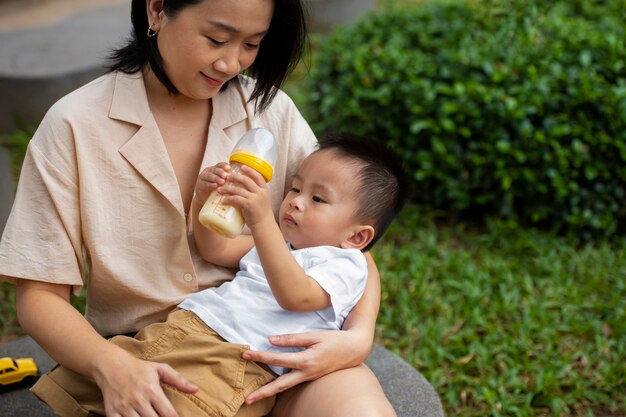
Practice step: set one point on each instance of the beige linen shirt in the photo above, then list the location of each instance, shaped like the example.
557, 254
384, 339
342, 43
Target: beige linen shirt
98, 202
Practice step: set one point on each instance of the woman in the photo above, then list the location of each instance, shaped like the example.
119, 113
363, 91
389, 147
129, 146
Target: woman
107, 185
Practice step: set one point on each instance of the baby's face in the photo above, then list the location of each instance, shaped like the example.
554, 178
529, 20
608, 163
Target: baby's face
320, 206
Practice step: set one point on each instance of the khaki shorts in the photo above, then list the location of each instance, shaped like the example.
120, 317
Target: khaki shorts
188, 345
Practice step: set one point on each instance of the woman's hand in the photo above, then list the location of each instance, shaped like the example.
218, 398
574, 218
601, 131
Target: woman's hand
325, 352
209, 179
132, 387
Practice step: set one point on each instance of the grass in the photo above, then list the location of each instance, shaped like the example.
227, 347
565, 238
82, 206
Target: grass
504, 321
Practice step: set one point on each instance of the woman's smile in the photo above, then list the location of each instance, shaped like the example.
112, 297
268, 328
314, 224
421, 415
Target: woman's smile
212, 81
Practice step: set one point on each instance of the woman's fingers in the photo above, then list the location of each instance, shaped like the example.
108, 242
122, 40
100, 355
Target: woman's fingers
169, 376
292, 360
324, 352
296, 340
304, 364
138, 391
159, 401
280, 384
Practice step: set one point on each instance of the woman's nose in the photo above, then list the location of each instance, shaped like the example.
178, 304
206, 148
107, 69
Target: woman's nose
228, 63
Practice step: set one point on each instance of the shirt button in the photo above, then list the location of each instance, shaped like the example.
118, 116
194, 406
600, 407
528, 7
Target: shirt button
188, 277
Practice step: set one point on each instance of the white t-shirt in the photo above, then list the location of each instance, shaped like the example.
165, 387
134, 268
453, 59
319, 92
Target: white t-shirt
245, 311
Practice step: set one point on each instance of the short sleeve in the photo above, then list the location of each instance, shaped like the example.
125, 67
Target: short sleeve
342, 273
41, 240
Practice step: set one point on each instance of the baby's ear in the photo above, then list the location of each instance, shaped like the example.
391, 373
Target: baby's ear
360, 237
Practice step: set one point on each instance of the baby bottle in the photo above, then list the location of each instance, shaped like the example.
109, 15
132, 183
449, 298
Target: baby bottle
256, 149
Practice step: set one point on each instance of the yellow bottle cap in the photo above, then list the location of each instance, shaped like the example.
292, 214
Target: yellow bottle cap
254, 162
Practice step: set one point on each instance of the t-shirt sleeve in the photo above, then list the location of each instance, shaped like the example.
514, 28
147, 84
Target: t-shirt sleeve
42, 239
342, 273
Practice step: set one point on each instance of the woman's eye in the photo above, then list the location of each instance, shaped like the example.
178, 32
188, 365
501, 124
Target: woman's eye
216, 42
252, 46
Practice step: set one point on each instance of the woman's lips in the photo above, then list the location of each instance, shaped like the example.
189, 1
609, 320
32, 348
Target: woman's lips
212, 81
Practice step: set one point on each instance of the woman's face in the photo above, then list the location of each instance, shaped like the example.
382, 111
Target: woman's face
209, 43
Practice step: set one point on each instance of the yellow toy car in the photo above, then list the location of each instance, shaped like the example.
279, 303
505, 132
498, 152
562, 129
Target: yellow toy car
16, 370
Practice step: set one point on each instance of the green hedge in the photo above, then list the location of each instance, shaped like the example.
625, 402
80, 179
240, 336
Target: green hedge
510, 108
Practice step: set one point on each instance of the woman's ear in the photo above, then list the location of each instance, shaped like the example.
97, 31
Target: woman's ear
360, 237
154, 8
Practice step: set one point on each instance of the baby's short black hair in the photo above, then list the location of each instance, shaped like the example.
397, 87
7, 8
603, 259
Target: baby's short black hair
385, 186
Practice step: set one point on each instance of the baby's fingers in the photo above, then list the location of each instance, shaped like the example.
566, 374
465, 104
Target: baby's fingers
215, 174
210, 178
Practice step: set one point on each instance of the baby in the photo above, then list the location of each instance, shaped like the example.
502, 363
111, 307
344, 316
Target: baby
300, 275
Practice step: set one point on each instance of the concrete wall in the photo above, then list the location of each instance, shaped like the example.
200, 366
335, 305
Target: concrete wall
41, 63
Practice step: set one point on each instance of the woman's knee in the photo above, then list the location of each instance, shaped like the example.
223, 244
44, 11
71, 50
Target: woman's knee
365, 407
346, 393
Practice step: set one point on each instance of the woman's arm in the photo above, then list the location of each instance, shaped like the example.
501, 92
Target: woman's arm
325, 352
130, 386
362, 318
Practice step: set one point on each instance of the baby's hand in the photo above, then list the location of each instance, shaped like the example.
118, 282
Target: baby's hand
247, 190
209, 179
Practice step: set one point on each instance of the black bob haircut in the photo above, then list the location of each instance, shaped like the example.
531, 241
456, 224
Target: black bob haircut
279, 52
384, 184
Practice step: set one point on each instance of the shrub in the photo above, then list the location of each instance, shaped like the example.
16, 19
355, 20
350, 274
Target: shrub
512, 108
15, 144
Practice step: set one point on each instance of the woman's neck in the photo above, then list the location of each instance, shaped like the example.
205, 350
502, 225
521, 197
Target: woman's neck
173, 109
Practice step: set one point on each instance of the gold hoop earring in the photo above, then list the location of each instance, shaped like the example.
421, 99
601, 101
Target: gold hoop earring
151, 32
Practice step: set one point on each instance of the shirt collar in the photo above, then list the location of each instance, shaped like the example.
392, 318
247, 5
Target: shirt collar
130, 102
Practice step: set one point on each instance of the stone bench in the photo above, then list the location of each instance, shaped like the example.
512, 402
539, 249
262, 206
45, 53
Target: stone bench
410, 394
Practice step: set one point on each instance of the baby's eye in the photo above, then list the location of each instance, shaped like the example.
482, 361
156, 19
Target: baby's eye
216, 42
294, 190
318, 199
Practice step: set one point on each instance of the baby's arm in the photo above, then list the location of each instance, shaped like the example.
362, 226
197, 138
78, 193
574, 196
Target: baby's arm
293, 289
213, 247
